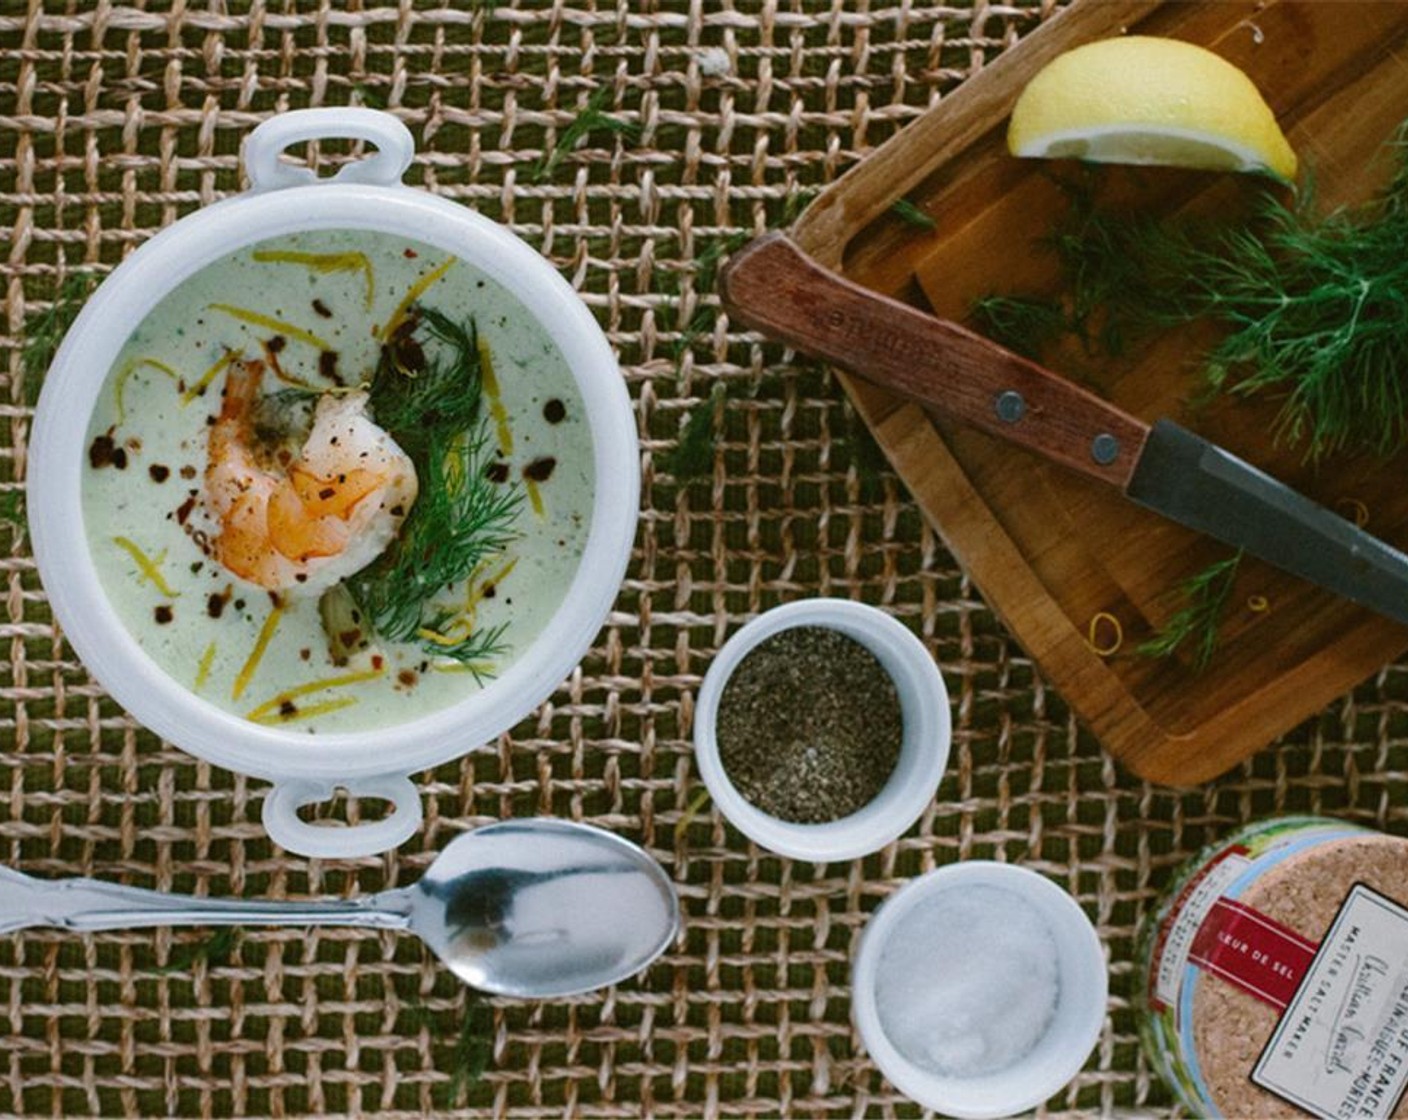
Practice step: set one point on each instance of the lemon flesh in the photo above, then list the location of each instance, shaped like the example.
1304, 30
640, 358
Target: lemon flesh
1144, 100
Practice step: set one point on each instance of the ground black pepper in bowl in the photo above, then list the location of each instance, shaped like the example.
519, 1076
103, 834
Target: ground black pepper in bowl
809, 726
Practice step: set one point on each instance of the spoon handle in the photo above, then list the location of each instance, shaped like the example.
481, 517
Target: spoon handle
90, 904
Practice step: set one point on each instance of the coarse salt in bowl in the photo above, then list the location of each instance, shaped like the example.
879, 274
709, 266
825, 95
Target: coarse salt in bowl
923, 749
1075, 1024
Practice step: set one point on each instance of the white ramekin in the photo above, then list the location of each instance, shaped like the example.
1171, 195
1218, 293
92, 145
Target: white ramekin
1080, 1006
923, 751
286, 199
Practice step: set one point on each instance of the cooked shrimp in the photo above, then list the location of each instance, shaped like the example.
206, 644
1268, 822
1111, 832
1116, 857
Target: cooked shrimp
310, 518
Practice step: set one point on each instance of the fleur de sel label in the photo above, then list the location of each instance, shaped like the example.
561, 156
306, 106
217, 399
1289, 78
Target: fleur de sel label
1340, 1050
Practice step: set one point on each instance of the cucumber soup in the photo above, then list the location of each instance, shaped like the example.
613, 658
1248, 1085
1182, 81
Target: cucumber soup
337, 480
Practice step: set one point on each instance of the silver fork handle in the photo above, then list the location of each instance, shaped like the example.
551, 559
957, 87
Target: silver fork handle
85, 905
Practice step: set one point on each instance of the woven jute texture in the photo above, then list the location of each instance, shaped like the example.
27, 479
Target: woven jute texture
116, 120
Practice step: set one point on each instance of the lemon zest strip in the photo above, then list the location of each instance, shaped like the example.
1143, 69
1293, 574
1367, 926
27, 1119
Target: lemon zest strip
480, 668
535, 496
1358, 510
1258, 603
203, 669
1092, 636
496, 403
127, 371
276, 702
207, 377
261, 643
259, 319
323, 262
476, 593
691, 811
417, 290
441, 639
306, 713
148, 569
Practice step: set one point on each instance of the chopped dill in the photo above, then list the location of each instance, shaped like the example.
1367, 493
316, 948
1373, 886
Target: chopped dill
1195, 624
1026, 325
47, 330
905, 209
592, 117
215, 949
693, 456
474, 1045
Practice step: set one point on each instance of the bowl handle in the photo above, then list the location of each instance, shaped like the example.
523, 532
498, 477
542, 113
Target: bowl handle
285, 828
394, 147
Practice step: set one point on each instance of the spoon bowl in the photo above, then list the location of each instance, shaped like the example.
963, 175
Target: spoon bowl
544, 907
536, 908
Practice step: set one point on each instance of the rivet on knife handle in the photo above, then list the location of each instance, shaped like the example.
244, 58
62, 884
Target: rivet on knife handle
775, 287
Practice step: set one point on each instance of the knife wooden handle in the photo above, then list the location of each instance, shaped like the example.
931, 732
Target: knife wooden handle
773, 286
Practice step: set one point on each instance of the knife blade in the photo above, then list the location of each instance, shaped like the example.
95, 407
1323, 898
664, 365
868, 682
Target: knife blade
774, 287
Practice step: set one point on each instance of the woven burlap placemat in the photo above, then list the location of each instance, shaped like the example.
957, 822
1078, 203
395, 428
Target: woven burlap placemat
114, 121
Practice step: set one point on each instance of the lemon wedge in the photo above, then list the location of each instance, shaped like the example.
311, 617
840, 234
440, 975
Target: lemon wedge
1139, 99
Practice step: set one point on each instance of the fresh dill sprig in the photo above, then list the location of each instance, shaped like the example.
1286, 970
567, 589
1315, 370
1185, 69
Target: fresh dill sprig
906, 210
460, 519
1196, 623
1026, 325
693, 456
429, 382
474, 651
1314, 308
47, 330
1317, 311
592, 117
428, 392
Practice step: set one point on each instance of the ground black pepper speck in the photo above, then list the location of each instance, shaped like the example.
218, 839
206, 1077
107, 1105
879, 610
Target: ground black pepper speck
809, 726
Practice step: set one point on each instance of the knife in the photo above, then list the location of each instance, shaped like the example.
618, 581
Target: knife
774, 287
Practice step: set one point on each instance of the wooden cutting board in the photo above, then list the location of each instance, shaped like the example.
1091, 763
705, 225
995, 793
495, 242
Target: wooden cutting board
1051, 550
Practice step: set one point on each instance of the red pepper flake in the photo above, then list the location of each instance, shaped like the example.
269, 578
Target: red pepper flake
496, 472
378, 661
322, 309
409, 254
188, 472
407, 677
276, 344
163, 614
158, 472
554, 412
183, 511
288, 709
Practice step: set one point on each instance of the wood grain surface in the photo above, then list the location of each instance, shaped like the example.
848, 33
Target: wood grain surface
1050, 547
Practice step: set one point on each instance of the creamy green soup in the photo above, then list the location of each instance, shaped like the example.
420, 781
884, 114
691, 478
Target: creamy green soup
201, 467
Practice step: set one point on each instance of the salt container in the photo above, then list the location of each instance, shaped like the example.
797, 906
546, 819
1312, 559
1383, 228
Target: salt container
1275, 974
979, 989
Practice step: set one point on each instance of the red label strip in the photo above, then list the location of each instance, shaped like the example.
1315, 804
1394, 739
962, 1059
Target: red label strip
1250, 951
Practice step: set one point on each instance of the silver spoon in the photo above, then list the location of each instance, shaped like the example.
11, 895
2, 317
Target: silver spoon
535, 908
